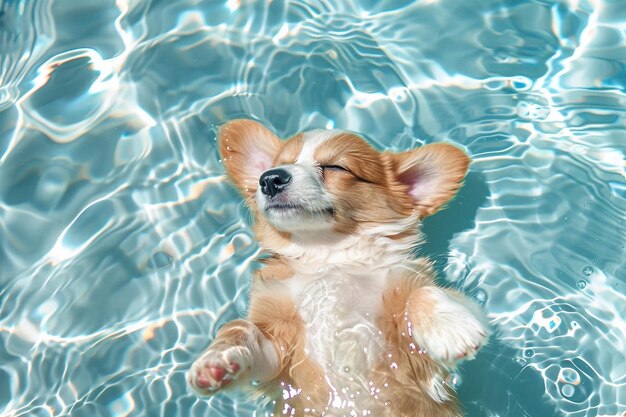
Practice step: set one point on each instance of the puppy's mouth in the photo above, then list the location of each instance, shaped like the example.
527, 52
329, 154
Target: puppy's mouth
295, 209
286, 207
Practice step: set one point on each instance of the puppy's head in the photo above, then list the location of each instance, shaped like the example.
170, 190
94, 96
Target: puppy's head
331, 181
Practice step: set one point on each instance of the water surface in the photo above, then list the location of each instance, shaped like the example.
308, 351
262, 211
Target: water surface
123, 248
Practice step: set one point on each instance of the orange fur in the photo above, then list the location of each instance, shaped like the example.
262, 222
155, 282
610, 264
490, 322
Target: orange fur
289, 153
445, 164
378, 200
406, 368
247, 149
278, 318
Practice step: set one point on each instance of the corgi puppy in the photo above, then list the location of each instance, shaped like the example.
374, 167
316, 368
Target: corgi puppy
342, 321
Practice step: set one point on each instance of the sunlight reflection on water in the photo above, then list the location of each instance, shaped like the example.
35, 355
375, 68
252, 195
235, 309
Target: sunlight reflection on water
123, 248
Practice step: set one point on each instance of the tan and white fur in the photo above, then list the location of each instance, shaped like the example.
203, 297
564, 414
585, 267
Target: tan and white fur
342, 321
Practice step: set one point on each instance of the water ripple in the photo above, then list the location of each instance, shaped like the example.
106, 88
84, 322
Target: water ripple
23, 29
123, 248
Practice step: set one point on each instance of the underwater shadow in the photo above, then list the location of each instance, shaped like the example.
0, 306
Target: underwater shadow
458, 216
499, 383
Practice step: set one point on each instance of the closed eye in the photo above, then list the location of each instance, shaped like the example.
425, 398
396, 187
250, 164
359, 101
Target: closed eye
334, 168
339, 168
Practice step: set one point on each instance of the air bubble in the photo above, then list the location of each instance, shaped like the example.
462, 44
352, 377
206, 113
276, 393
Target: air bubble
581, 284
568, 390
454, 380
398, 94
529, 353
569, 376
588, 270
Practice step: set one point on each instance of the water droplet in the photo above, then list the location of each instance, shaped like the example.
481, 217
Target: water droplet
346, 369
255, 383
454, 380
529, 353
480, 296
581, 284
588, 270
521, 361
387, 403
569, 376
394, 365
568, 390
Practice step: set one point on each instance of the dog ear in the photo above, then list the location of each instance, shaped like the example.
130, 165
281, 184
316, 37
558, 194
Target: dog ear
248, 149
433, 174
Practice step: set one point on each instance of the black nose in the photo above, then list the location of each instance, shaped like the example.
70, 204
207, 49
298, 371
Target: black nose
274, 181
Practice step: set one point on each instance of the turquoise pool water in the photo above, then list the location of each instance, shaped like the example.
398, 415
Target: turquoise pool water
122, 247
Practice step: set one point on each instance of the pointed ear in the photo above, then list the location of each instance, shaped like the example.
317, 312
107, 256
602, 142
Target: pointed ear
433, 174
248, 149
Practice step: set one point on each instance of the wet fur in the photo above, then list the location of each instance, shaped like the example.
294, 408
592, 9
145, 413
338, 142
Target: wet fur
378, 205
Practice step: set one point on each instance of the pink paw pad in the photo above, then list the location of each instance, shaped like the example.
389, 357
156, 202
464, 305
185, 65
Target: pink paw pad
217, 372
214, 376
468, 353
202, 381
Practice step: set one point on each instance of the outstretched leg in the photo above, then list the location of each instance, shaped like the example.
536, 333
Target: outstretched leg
240, 353
446, 324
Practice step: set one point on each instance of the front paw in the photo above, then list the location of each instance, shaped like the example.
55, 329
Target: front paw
454, 332
218, 367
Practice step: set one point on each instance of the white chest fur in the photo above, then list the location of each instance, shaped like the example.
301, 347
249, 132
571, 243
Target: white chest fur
339, 310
